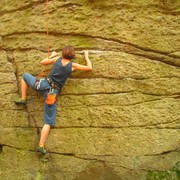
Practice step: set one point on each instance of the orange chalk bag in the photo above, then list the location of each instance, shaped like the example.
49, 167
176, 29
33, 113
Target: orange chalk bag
51, 97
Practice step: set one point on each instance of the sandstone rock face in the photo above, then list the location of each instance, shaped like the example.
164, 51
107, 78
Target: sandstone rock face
120, 121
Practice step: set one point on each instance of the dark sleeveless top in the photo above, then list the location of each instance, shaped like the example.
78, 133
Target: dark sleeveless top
60, 73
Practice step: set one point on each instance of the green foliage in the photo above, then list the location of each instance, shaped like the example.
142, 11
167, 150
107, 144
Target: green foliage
160, 175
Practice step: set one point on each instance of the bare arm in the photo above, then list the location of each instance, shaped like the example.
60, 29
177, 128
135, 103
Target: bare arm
87, 67
52, 58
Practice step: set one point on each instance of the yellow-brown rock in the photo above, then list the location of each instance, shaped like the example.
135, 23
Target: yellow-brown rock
120, 121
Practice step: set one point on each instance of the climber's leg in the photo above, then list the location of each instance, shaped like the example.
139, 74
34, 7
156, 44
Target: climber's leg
27, 80
44, 134
24, 88
49, 120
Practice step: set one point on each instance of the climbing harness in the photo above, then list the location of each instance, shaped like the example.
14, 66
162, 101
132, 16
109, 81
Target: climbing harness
37, 84
52, 83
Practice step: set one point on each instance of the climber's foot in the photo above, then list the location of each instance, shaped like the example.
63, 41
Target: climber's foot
41, 150
20, 101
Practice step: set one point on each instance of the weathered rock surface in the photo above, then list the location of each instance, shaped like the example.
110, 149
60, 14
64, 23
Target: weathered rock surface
120, 121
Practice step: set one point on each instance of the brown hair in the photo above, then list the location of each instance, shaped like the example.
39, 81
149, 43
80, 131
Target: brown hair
68, 52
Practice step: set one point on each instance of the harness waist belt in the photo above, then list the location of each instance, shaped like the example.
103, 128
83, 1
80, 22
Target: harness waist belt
52, 83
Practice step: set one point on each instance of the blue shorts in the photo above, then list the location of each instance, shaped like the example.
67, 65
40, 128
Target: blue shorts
43, 88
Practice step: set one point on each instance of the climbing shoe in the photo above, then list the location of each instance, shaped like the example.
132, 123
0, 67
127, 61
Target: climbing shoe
41, 150
20, 101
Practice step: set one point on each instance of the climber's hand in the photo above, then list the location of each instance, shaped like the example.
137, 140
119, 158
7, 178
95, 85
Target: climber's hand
86, 53
54, 54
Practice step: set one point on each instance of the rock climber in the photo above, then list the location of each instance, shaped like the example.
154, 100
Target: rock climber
61, 70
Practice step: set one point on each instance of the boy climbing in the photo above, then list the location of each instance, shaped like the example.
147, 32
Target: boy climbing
61, 70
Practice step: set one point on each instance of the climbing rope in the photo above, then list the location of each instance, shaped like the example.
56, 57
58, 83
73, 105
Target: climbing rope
42, 74
47, 28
